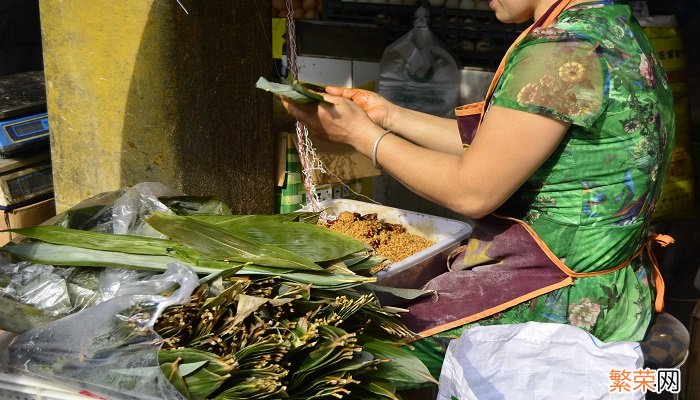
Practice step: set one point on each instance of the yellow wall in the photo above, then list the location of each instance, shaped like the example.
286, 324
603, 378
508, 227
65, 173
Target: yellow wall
142, 90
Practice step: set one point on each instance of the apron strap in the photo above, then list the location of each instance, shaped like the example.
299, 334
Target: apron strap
660, 286
663, 241
550, 15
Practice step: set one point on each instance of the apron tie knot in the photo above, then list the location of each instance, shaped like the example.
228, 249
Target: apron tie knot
662, 240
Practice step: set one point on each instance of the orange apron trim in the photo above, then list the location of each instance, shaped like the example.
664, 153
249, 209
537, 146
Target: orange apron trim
663, 241
659, 284
471, 109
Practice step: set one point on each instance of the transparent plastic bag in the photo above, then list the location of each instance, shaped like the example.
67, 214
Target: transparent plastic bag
418, 71
137, 201
32, 295
120, 211
109, 349
51, 289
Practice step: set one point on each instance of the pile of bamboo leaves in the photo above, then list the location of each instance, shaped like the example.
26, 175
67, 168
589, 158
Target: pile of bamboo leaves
253, 244
270, 338
284, 309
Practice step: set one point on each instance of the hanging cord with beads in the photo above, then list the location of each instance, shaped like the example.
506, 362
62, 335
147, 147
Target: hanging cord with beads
307, 155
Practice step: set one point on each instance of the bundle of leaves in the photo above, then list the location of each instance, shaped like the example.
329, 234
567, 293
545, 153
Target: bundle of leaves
285, 308
272, 338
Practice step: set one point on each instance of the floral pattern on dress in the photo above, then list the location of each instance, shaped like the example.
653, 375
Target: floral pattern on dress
584, 314
591, 201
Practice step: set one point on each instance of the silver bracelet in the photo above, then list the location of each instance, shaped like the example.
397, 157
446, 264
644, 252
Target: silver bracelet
374, 148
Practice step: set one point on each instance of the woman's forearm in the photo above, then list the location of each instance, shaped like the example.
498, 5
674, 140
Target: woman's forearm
425, 130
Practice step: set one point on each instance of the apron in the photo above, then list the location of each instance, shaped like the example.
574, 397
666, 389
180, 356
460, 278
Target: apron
504, 262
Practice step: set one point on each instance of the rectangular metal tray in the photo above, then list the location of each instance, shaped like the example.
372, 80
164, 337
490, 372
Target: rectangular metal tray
416, 270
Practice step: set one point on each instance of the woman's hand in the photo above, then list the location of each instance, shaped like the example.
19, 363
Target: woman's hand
339, 120
374, 104
423, 129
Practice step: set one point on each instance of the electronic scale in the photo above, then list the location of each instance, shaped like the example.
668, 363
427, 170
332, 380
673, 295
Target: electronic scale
25, 165
24, 123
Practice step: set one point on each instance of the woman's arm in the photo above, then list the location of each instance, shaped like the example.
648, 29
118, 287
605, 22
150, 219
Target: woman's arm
423, 129
509, 146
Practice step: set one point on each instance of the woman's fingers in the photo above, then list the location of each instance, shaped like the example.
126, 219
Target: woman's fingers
335, 90
348, 93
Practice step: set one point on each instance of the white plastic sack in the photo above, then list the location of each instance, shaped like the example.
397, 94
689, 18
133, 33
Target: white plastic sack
535, 361
417, 71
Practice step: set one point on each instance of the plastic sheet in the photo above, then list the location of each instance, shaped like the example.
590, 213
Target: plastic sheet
120, 211
57, 291
544, 361
109, 349
129, 209
33, 294
49, 293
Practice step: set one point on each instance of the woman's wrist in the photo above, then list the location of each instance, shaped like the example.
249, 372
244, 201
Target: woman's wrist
390, 116
375, 147
366, 142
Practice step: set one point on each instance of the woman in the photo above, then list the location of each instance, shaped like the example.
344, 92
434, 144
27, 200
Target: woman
573, 149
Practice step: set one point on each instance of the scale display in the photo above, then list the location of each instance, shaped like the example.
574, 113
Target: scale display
22, 133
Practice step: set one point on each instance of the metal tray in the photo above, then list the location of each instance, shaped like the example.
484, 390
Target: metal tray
416, 270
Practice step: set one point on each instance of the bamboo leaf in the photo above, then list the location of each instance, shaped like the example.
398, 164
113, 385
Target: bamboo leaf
293, 90
217, 243
404, 293
320, 280
99, 241
367, 264
316, 243
214, 363
203, 383
189, 368
374, 389
403, 366
18, 317
247, 305
354, 258
224, 220
53, 254
172, 372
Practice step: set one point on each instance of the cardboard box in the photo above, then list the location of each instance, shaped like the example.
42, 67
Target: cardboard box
342, 162
23, 217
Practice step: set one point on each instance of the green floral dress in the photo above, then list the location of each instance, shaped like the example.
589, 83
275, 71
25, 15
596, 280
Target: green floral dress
591, 201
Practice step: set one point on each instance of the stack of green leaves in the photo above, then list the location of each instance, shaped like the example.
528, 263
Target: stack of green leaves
285, 308
258, 245
276, 339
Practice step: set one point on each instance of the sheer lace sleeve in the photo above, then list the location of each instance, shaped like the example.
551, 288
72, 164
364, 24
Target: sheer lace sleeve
555, 75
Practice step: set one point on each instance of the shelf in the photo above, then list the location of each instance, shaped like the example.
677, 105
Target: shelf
475, 37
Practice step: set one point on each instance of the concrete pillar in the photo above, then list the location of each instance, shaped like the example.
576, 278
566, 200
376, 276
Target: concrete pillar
142, 90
